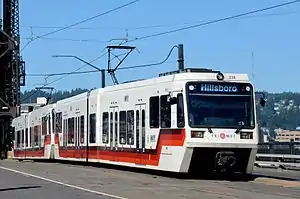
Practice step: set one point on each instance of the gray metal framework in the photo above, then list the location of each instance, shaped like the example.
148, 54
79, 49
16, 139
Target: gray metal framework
12, 71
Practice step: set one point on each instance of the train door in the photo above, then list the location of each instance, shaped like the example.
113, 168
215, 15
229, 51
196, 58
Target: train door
140, 133
113, 127
76, 132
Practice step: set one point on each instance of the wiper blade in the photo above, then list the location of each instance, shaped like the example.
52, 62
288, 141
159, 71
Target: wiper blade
242, 124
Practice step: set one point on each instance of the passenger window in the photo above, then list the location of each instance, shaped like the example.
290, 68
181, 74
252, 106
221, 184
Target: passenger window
180, 111
143, 129
58, 123
44, 125
105, 127
122, 134
165, 112
71, 131
154, 112
116, 128
130, 127
82, 129
93, 128
111, 127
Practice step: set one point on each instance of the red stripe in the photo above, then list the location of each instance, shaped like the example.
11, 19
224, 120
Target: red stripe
168, 137
31, 153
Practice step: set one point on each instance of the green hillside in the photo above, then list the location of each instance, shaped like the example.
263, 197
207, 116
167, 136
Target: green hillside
282, 110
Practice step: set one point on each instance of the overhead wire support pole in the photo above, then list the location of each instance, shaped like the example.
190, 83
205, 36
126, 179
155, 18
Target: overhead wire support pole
109, 69
93, 66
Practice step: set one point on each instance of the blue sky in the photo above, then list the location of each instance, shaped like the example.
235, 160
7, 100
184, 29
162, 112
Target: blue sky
273, 36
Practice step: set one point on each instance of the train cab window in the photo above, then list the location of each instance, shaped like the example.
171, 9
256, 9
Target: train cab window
180, 111
122, 133
130, 127
165, 112
154, 112
93, 128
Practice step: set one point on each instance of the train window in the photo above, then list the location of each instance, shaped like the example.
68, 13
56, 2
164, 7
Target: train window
180, 110
81, 131
71, 131
116, 128
122, 134
31, 137
49, 125
26, 138
65, 133
130, 127
143, 129
36, 136
165, 112
58, 123
105, 127
18, 139
22, 138
137, 127
44, 125
93, 128
154, 112
111, 128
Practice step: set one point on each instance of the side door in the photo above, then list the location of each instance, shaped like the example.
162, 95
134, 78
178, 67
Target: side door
140, 132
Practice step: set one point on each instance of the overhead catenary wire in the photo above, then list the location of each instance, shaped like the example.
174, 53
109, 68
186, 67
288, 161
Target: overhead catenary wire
80, 22
214, 21
94, 71
153, 26
135, 28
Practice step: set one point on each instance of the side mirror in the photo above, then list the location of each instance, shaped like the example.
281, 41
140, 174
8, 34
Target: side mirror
262, 102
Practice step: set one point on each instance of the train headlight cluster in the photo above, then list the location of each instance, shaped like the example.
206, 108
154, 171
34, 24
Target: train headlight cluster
246, 135
197, 134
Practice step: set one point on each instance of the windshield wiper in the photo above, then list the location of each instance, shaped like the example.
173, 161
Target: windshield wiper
210, 130
242, 124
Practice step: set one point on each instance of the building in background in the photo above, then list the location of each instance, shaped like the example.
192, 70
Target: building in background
287, 135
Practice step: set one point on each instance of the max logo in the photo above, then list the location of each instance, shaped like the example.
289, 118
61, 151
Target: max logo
222, 135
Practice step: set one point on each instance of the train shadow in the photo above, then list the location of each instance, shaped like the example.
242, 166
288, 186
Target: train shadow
156, 174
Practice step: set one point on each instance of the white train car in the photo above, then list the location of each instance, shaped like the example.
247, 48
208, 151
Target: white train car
34, 141
186, 121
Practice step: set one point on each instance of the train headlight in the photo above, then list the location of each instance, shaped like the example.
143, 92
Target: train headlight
197, 134
220, 76
246, 135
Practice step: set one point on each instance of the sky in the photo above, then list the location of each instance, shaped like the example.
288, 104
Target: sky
272, 37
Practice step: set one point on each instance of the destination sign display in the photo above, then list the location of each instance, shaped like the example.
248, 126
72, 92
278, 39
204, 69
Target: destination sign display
219, 88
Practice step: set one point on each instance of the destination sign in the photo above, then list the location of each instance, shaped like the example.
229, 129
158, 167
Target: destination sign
219, 87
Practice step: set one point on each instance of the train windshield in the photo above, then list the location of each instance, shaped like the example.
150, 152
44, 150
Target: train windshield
220, 105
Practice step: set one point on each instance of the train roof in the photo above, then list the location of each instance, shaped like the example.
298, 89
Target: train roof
188, 74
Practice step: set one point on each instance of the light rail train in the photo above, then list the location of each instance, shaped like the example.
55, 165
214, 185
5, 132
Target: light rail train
190, 120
